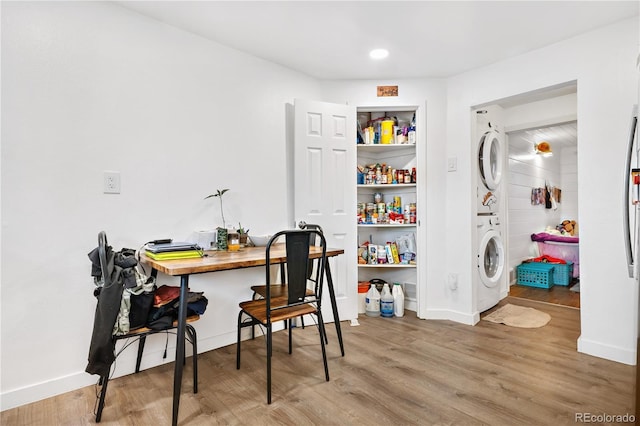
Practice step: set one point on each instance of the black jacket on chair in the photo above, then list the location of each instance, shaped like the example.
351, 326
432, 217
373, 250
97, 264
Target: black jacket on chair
101, 350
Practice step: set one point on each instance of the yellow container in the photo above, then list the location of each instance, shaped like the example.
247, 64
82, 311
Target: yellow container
387, 131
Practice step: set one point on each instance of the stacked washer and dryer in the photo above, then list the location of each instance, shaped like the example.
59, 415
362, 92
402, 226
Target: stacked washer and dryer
491, 280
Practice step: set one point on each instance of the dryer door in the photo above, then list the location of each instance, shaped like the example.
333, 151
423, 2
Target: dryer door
490, 159
491, 258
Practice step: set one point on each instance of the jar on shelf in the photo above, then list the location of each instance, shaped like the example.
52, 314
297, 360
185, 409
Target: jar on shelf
233, 240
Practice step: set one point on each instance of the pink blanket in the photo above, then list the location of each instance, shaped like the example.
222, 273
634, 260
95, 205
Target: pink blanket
543, 236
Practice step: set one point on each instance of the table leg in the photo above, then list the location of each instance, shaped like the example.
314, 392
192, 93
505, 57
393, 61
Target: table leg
179, 361
334, 305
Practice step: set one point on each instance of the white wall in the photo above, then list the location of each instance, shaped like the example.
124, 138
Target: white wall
541, 113
89, 87
603, 63
569, 183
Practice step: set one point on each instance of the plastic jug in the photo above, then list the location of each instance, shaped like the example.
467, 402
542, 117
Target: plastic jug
386, 302
387, 131
363, 288
372, 302
398, 300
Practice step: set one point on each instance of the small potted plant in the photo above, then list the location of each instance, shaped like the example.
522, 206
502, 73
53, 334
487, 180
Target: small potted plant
243, 234
222, 232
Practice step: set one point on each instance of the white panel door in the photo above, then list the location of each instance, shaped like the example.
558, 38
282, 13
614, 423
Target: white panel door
325, 190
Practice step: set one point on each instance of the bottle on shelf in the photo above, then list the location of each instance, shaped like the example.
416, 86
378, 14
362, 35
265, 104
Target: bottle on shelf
412, 135
386, 302
372, 302
398, 300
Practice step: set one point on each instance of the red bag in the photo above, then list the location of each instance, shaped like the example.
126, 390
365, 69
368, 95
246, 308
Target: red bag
548, 259
165, 294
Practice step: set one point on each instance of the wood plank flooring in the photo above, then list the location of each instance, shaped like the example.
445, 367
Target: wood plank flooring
558, 295
400, 371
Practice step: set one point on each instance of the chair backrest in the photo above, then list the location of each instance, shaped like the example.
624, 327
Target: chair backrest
313, 240
101, 349
103, 254
298, 243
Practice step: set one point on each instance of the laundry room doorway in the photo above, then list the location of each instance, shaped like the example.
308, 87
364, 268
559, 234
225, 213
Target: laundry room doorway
542, 197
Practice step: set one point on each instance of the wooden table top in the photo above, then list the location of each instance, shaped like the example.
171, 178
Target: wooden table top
246, 257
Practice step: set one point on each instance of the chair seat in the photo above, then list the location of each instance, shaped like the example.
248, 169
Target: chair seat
146, 330
277, 290
258, 309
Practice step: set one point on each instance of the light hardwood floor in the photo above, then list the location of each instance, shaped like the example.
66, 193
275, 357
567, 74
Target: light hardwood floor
400, 371
557, 295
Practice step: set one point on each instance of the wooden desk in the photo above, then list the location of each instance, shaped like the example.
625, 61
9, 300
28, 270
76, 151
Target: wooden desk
247, 257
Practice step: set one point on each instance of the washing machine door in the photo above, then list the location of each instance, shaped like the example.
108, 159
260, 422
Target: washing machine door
491, 258
490, 159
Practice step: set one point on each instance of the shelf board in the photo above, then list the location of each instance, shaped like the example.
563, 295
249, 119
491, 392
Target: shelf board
386, 225
383, 146
387, 185
387, 265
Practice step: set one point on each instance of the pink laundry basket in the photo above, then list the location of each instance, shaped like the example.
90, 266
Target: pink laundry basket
569, 252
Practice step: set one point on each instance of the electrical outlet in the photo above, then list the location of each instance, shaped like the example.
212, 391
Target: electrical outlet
111, 182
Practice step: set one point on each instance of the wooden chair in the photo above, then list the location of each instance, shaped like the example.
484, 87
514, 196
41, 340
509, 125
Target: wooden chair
106, 265
297, 301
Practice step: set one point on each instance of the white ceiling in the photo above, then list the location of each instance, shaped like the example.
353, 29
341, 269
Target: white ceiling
559, 136
331, 39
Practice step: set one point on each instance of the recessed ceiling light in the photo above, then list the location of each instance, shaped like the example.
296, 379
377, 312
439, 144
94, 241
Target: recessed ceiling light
379, 53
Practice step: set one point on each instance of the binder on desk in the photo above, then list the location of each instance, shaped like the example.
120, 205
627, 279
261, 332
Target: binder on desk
170, 255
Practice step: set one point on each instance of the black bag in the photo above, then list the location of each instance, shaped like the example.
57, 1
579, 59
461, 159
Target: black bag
161, 318
140, 307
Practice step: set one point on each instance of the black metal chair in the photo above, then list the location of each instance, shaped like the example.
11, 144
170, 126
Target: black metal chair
279, 290
106, 265
298, 300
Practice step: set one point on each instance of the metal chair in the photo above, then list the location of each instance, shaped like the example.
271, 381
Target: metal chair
298, 300
279, 290
108, 305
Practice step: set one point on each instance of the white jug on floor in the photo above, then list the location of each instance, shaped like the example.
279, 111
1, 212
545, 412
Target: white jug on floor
372, 302
398, 300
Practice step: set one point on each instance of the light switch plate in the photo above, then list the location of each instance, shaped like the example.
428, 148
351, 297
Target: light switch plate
452, 164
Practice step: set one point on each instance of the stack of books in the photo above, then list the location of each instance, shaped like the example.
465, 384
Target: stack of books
168, 251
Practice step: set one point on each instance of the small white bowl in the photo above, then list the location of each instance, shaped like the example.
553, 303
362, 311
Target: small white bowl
260, 240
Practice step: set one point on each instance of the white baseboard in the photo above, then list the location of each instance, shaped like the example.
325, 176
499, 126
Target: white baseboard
445, 314
36, 392
602, 350
125, 364
411, 304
